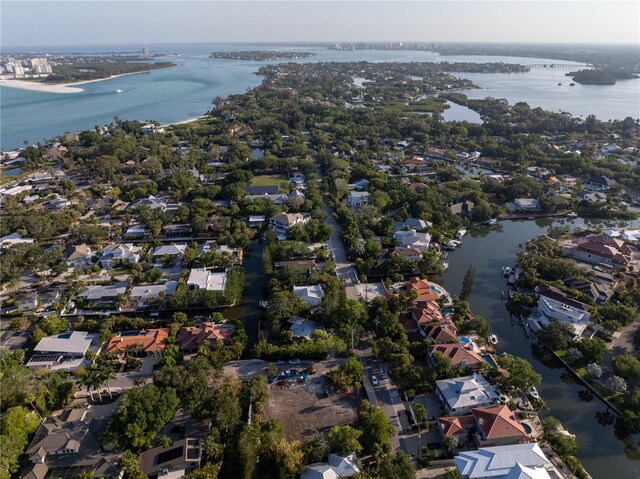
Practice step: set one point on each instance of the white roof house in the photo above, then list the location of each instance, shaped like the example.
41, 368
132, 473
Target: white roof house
462, 394
338, 466
520, 461
411, 238
202, 278
527, 204
74, 343
357, 199
312, 295
170, 250
14, 238
412, 223
301, 327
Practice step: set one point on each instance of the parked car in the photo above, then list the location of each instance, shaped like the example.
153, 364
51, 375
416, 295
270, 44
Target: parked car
294, 361
374, 380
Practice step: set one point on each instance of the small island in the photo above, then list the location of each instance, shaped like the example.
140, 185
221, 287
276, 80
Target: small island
262, 55
603, 76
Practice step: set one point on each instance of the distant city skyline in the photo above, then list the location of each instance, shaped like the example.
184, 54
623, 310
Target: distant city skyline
68, 23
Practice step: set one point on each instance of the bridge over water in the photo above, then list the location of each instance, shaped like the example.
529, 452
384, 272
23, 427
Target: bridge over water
556, 65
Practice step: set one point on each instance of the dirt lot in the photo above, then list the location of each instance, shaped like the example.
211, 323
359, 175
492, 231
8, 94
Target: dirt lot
303, 410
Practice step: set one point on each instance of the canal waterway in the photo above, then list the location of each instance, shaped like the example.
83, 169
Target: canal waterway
489, 249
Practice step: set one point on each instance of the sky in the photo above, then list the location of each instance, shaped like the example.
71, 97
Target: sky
92, 22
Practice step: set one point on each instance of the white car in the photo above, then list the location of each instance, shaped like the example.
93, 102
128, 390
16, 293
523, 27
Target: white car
374, 380
294, 361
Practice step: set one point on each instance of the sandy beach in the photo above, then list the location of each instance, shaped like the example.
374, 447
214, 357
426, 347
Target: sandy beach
63, 87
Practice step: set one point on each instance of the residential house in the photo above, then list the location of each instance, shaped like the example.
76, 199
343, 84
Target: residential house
359, 185
135, 231
281, 222
190, 338
177, 231
202, 278
462, 208
460, 395
601, 250
408, 253
151, 202
412, 223
442, 333
173, 251
144, 341
425, 290
102, 296
120, 253
14, 340
63, 351
596, 291
301, 327
66, 445
506, 462
413, 239
358, 199
13, 239
77, 256
599, 183
486, 426
312, 295
149, 295
277, 199
336, 467
427, 312
593, 197
461, 355
530, 205
174, 461
553, 303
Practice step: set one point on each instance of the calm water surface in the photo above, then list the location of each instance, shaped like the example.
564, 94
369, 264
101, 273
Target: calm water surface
489, 250
186, 92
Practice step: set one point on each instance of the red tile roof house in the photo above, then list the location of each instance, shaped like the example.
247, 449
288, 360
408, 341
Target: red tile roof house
146, 340
486, 426
460, 356
601, 249
189, 339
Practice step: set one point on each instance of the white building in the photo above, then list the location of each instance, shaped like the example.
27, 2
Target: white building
554, 304
202, 278
460, 395
120, 253
312, 295
358, 199
63, 351
503, 462
527, 204
412, 239
14, 238
281, 223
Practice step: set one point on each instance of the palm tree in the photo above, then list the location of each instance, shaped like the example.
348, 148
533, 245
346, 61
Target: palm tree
86, 379
30, 398
107, 373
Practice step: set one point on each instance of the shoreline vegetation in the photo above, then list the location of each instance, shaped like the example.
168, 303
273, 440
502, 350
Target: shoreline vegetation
71, 87
604, 76
261, 55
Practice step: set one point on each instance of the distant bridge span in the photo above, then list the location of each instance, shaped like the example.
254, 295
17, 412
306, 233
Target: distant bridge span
556, 65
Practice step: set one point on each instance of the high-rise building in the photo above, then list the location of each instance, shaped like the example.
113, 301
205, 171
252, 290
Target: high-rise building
145, 52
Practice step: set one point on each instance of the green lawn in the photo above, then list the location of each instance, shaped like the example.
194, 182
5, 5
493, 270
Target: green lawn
265, 180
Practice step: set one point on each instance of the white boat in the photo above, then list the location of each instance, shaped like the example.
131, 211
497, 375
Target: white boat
263, 303
506, 271
573, 214
456, 242
493, 221
449, 245
119, 90
493, 339
533, 392
460, 234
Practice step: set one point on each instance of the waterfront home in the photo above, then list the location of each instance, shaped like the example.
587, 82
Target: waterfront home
594, 197
408, 253
486, 426
174, 461
145, 296
528, 205
144, 341
599, 183
506, 462
462, 208
281, 222
190, 338
77, 256
68, 441
412, 239
202, 278
120, 253
600, 249
312, 295
358, 199
151, 129
425, 290
427, 312
553, 303
442, 333
63, 351
461, 355
102, 296
460, 395
596, 291
412, 223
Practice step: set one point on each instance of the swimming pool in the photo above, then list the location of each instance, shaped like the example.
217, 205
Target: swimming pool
527, 428
435, 290
489, 360
464, 340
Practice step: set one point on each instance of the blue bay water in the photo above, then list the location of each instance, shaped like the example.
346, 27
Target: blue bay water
186, 91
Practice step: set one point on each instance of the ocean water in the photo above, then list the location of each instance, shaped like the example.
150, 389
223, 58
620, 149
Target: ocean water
186, 91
